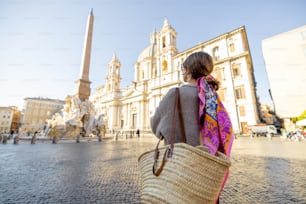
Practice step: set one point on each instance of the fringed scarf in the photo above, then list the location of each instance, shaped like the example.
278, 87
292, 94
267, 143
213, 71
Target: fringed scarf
216, 130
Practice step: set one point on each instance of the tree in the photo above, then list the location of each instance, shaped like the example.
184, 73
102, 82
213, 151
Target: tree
301, 117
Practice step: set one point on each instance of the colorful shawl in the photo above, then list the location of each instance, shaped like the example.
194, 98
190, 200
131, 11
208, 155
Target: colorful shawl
216, 130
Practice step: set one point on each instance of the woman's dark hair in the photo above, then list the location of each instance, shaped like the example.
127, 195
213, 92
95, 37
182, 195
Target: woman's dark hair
199, 64
213, 82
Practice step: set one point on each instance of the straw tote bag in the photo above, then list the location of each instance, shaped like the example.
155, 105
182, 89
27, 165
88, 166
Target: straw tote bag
180, 173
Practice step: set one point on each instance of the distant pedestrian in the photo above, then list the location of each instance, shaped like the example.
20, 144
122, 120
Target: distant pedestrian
11, 134
4, 139
33, 140
103, 131
83, 132
16, 139
54, 140
138, 133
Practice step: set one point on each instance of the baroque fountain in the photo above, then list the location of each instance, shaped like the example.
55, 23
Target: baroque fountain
77, 118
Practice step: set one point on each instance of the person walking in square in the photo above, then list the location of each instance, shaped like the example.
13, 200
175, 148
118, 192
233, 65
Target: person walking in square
205, 118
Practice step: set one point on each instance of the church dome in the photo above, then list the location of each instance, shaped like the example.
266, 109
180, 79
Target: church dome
147, 52
151, 49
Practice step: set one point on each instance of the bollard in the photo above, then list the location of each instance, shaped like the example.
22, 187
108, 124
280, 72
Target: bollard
78, 139
4, 139
16, 139
54, 140
33, 140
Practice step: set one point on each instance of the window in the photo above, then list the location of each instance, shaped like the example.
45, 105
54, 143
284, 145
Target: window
219, 73
241, 111
232, 47
154, 72
239, 92
165, 66
236, 70
216, 53
164, 42
35, 111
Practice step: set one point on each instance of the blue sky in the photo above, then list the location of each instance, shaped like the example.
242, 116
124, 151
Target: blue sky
41, 41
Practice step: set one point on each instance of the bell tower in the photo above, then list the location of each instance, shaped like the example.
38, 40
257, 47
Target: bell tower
167, 47
168, 38
113, 75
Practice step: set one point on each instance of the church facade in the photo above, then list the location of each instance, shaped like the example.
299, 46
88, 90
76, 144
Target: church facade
158, 69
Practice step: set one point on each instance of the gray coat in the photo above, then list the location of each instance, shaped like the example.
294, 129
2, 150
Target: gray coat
161, 122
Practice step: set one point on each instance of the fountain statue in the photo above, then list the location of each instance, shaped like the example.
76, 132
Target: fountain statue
77, 118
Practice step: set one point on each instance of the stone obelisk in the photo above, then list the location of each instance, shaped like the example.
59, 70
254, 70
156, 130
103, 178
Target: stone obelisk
82, 90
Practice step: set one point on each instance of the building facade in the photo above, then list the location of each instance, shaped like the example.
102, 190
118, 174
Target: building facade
285, 61
158, 69
9, 119
37, 111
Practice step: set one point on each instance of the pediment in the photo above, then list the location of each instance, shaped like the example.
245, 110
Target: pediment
131, 93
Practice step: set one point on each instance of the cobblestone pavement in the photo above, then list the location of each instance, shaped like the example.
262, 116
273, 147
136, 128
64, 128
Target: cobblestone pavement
263, 171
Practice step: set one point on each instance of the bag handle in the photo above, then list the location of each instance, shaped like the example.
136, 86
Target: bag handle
182, 128
169, 150
160, 169
181, 117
